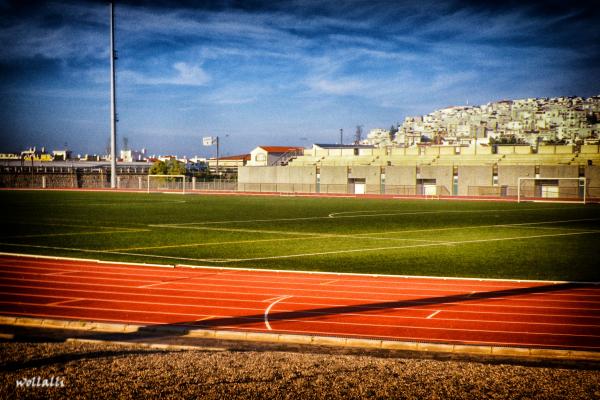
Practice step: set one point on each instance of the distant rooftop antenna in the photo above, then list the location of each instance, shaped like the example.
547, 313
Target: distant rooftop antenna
358, 134
113, 102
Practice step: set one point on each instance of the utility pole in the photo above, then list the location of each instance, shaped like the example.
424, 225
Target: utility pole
341, 136
113, 102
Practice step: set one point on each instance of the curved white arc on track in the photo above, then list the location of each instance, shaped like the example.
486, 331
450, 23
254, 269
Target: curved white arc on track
269, 309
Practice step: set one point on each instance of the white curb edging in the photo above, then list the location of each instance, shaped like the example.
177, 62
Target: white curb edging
315, 340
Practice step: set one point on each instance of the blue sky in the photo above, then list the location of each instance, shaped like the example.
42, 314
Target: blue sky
276, 72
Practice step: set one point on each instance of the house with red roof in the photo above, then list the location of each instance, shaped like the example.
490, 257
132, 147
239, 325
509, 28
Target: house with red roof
274, 155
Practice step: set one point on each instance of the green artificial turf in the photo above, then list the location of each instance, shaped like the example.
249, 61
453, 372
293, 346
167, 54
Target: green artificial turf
422, 237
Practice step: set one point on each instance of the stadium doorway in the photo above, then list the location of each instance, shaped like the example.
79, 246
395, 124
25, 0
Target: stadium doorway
427, 187
357, 185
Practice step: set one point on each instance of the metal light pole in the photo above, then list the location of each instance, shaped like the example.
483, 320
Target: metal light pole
217, 171
113, 103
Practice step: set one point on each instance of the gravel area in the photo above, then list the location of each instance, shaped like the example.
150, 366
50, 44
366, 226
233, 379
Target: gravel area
103, 371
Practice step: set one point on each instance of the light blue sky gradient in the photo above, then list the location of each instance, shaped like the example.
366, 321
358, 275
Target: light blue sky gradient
275, 73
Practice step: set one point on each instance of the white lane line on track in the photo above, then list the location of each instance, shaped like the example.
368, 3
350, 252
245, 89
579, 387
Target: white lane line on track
311, 332
320, 322
393, 297
400, 283
193, 284
296, 302
269, 309
59, 303
433, 314
313, 312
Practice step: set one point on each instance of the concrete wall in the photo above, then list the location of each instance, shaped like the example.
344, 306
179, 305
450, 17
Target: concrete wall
508, 175
553, 149
592, 174
372, 176
334, 179
473, 176
562, 171
257, 179
442, 175
400, 180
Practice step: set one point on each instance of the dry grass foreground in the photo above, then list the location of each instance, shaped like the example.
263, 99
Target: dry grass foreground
102, 371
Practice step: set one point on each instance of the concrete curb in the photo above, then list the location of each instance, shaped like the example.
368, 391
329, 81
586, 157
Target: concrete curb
284, 338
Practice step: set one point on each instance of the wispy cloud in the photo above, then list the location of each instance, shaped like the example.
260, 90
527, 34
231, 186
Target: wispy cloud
185, 75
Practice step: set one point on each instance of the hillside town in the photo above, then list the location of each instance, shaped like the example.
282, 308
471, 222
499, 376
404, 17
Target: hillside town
559, 120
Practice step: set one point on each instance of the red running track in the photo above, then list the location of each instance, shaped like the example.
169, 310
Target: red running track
490, 312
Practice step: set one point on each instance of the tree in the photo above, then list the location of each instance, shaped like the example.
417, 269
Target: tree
393, 131
175, 167
158, 168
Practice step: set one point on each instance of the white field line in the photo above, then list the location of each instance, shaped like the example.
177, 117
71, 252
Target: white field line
75, 233
433, 314
449, 243
370, 215
360, 235
324, 293
304, 237
369, 304
71, 225
523, 224
312, 321
269, 309
362, 250
112, 252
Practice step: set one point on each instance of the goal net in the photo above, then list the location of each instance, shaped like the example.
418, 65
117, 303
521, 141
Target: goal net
166, 183
563, 190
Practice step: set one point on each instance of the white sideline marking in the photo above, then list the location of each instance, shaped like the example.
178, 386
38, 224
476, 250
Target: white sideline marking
71, 225
408, 246
360, 216
111, 252
433, 314
485, 226
296, 272
269, 309
306, 236
229, 260
75, 233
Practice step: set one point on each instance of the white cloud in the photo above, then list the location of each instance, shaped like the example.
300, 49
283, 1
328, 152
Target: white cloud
186, 75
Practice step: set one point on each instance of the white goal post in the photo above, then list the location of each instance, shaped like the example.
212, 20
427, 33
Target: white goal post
552, 190
171, 183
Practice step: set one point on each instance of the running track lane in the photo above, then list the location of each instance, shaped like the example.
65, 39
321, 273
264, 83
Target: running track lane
503, 313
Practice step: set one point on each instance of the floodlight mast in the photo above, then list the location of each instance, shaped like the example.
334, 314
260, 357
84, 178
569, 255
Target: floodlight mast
113, 102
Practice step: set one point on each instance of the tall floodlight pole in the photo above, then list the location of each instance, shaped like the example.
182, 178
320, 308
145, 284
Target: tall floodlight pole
113, 102
217, 156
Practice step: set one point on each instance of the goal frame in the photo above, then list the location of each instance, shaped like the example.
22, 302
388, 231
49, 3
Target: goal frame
549, 199
167, 176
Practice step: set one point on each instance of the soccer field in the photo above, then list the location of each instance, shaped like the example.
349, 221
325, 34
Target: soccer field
422, 237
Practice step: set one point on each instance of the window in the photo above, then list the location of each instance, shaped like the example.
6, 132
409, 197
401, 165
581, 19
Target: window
260, 157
